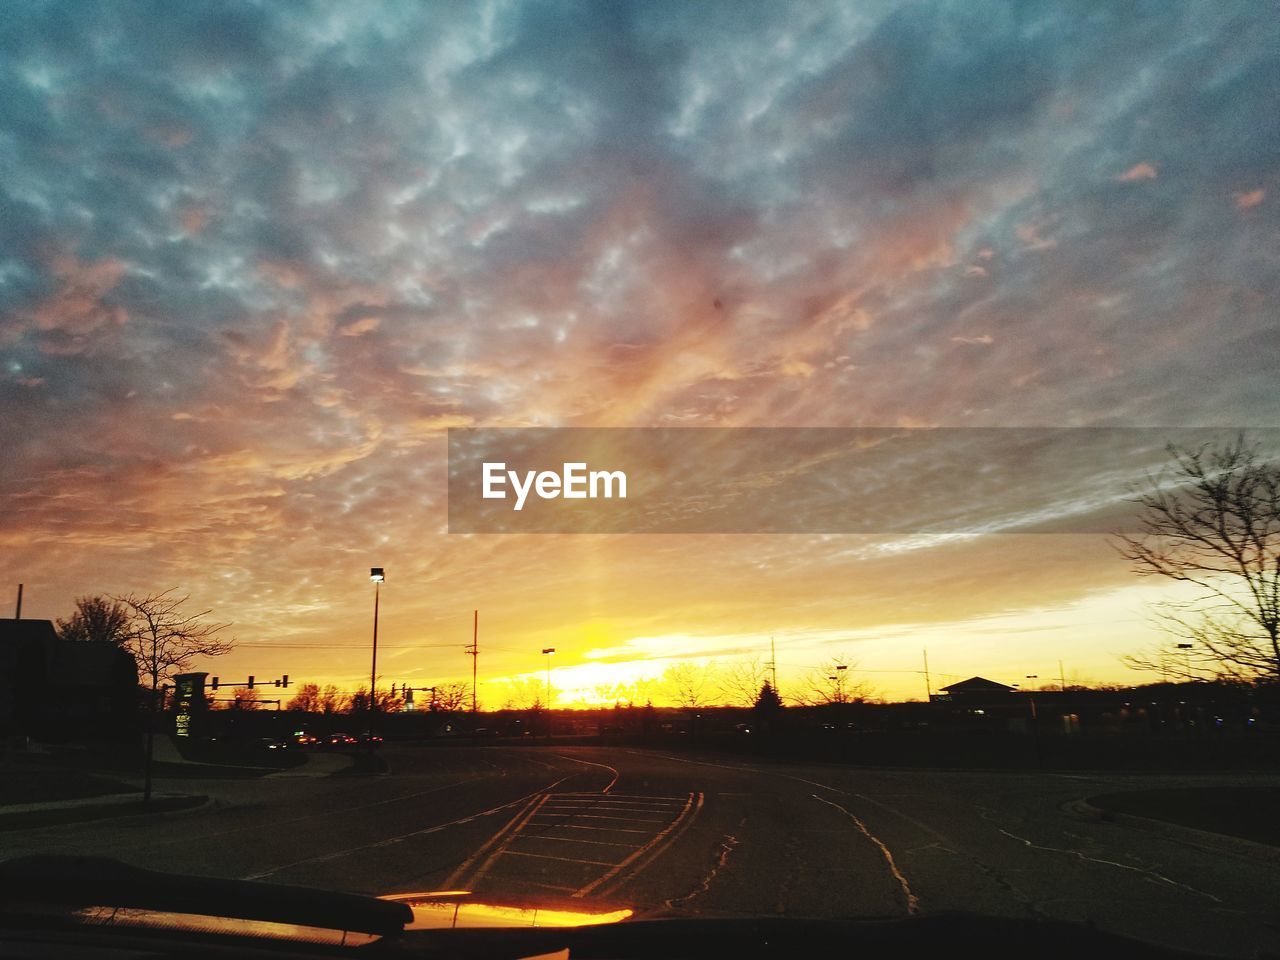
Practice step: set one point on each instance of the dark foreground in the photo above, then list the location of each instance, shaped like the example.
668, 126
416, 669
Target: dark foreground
705, 836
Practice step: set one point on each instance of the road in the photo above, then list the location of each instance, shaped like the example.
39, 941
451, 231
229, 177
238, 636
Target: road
692, 835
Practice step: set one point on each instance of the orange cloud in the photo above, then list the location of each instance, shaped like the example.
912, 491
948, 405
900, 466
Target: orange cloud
1139, 171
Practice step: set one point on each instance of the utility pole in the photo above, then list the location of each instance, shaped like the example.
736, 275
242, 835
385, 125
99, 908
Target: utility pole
1062, 678
473, 652
927, 685
18, 613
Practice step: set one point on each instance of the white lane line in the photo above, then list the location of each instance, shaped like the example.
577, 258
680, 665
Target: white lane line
593, 816
590, 763
605, 809
913, 902
653, 848
598, 843
389, 841
569, 826
546, 856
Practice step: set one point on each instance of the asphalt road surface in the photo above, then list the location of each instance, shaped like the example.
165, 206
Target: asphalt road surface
695, 835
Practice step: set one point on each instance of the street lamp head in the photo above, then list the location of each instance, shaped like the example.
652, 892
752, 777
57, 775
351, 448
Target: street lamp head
548, 649
376, 575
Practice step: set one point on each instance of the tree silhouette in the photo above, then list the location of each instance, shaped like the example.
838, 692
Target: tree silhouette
740, 682
306, 699
165, 639
1211, 520
768, 701
100, 619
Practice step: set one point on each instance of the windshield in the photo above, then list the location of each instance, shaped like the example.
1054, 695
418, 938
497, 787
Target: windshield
622, 461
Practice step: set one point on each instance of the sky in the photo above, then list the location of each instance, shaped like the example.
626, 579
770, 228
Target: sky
257, 259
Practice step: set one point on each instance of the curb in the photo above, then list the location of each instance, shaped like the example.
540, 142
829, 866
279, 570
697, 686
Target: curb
1205, 839
56, 816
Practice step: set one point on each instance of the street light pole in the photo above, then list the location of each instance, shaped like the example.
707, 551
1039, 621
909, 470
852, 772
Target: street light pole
1187, 658
548, 651
377, 576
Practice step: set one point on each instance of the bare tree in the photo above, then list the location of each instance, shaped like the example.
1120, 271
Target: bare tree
332, 700
244, 698
100, 619
164, 638
452, 697
385, 702
525, 693
306, 699
833, 682
741, 682
689, 684
1211, 520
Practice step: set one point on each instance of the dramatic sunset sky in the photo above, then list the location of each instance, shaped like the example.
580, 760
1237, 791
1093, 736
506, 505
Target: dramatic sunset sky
255, 259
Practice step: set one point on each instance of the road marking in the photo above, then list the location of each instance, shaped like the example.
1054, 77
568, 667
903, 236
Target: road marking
594, 816
686, 815
511, 831
547, 856
570, 826
389, 841
601, 843
590, 763
584, 807
913, 902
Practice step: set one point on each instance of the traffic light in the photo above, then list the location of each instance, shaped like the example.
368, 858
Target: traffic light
214, 685
284, 680
251, 681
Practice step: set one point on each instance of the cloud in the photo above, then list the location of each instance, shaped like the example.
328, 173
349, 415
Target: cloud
1138, 172
1247, 201
255, 259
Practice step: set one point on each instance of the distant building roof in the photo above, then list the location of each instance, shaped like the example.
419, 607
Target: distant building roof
978, 685
24, 631
27, 641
